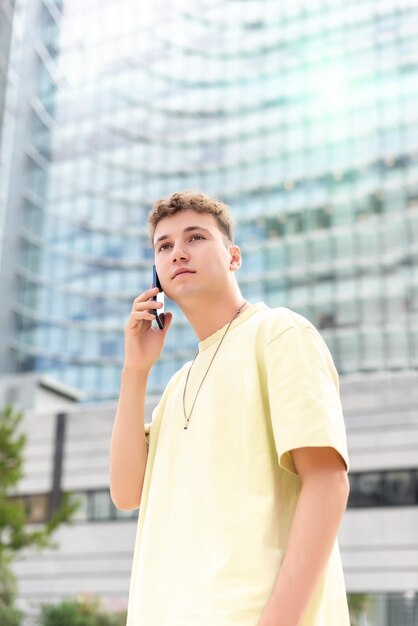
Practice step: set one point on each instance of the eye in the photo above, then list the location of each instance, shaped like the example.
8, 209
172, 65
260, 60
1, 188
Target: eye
167, 244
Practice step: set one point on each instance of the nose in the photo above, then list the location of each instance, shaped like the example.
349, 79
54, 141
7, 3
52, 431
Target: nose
178, 253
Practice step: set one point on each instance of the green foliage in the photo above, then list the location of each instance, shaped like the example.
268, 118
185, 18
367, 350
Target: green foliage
67, 612
15, 534
74, 612
10, 616
358, 604
11, 460
8, 585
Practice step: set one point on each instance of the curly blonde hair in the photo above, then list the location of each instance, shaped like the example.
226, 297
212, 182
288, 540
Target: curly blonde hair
199, 202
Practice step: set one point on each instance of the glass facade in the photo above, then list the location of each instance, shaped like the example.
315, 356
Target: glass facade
384, 609
6, 24
303, 118
6, 19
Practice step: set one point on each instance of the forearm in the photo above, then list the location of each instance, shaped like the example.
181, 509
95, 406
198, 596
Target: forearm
319, 510
128, 450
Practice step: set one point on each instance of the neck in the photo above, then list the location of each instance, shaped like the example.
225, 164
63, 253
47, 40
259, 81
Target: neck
207, 318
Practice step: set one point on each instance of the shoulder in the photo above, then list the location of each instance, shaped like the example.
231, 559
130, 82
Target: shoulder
284, 331
178, 375
273, 322
173, 383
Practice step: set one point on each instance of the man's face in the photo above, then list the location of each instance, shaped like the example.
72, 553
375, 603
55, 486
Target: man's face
201, 250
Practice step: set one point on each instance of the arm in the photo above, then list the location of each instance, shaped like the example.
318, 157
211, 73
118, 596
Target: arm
128, 449
319, 510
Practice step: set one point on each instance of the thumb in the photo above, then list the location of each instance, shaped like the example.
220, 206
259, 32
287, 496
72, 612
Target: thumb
167, 321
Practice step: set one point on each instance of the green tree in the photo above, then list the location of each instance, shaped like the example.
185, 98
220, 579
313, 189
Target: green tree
15, 535
358, 604
79, 612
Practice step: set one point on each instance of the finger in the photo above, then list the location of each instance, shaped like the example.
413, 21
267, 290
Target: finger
149, 304
146, 294
143, 315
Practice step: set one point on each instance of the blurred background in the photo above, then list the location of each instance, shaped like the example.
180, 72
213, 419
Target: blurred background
303, 117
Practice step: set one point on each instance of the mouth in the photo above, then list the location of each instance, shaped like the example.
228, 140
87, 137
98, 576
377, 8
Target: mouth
183, 273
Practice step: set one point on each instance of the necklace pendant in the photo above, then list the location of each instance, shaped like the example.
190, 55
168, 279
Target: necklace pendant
184, 427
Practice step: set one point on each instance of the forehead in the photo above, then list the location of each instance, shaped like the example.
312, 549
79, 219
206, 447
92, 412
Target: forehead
175, 224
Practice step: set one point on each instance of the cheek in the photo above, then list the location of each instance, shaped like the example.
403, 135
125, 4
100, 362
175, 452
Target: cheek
216, 266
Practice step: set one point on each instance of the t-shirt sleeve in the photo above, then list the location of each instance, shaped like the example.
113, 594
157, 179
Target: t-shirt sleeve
303, 394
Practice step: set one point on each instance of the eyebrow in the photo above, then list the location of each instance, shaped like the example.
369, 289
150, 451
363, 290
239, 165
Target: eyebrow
185, 231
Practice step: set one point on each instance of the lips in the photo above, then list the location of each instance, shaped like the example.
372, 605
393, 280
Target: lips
182, 271
185, 272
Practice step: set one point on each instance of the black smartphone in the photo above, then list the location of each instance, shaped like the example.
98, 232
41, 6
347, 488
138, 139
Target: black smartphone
158, 298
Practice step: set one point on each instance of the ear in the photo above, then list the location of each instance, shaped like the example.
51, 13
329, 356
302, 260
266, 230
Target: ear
235, 262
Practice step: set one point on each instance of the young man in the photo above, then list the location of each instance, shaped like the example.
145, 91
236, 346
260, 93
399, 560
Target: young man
241, 478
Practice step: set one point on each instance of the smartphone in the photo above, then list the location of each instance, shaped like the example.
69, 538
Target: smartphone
158, 298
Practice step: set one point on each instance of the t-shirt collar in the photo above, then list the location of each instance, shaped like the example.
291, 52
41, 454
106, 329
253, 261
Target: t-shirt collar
205, 343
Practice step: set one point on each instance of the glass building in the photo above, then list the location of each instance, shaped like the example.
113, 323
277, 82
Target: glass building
6, 21
6, 17
303, 117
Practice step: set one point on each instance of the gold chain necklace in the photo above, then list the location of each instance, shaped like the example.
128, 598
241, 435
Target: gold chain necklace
188, 373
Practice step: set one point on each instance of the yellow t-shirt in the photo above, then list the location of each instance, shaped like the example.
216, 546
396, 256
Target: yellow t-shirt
218, 498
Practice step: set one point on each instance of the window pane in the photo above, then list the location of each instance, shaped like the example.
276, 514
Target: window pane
399, 488
101, 505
